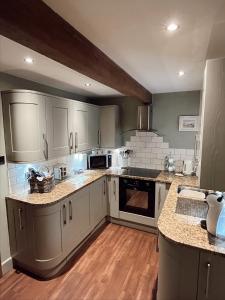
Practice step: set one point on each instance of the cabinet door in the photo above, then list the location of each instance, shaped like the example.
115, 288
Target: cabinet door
46, 233
96, 202
178, 271
75, 219
93, 127
104, 198
113, 185
80, 119
59, 127
25, 126
211, 277
17, 222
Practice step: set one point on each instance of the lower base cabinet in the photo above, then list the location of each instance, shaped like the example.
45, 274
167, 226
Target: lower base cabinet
187, 273
98, 205
43, 236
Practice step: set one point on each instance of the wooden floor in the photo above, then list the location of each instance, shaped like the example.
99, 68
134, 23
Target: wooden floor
121, 263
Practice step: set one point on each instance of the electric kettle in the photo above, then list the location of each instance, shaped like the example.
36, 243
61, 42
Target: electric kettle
187, 167
215, 220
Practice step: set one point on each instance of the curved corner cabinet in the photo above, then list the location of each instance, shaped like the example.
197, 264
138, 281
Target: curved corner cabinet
188, 273
39, 126
43, 237
25, 126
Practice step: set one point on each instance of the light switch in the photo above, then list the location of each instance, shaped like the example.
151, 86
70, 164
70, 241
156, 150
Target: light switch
2, 160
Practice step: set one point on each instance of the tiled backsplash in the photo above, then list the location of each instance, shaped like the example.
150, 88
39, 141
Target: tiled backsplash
149, 151
17, 172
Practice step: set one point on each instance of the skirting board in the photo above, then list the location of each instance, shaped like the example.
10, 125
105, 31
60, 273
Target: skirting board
7, 265
133, 225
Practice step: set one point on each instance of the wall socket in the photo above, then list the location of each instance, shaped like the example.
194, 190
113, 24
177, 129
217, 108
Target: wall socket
2, 160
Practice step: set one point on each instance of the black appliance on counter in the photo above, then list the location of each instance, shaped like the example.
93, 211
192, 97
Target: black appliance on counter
99, 161
137, 196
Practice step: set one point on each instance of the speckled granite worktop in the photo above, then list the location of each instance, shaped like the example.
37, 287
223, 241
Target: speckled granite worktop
74, 184
185, 229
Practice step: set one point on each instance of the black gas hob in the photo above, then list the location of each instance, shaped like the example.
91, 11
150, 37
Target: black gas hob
139, 172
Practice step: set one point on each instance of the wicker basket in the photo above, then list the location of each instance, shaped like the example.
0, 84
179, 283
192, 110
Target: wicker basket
44, 186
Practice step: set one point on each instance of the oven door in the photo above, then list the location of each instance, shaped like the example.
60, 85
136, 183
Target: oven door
137, 197
98, 162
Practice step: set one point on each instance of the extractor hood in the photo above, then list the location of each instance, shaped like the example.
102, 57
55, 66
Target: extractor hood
144, 117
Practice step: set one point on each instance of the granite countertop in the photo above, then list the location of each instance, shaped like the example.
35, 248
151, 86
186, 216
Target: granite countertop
179, 228
184, 229
77, 182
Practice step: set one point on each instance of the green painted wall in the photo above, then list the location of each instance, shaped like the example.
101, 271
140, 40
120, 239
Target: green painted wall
167, 108
166, 111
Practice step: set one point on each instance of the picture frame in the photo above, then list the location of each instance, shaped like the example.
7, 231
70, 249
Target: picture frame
189, 123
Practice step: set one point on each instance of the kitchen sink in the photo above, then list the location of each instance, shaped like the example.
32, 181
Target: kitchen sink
192, 207
191, 202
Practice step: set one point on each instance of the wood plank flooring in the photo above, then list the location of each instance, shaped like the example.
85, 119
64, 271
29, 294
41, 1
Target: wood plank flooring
120, 264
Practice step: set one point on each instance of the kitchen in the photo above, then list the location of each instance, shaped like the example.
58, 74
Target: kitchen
110, 153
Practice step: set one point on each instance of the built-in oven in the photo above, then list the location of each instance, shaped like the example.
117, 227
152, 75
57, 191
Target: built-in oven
137, 196
99, 161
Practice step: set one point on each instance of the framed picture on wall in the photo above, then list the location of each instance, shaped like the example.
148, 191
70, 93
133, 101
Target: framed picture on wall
189, 123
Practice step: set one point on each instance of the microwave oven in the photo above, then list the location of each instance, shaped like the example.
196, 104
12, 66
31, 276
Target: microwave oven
99, 161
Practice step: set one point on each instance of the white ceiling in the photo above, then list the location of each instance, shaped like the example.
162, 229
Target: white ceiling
46, 71
132, 33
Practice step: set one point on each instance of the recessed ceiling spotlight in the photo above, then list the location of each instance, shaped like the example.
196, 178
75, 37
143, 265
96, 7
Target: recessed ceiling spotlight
181, 73
87, 84
28, 60
172, 27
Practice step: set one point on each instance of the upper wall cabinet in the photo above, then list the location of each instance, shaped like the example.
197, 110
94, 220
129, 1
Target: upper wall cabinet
60, 139
110, 135
80, 126
213, 129
93, 126
25, 126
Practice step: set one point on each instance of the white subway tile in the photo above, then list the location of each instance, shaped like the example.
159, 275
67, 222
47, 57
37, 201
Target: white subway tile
157, 139
180, 151
190, 152
165, 145
140, 154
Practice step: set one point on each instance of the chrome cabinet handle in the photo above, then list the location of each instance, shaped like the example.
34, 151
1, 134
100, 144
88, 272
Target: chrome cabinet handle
46, 147
99, 138
207, 279
159, 201
76, 140
64, 214
20, 211
114, 187
104, 187
70, 210
71, 142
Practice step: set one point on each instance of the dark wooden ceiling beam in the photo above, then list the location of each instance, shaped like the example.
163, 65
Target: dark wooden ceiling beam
33, 24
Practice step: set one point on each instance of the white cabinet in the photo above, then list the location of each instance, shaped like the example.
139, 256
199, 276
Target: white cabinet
110, 135
80, 128
59, 127
75, 216
113, 192
25, 126
93, 126
98, 204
